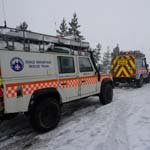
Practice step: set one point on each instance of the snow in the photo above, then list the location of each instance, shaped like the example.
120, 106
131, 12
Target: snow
122, 125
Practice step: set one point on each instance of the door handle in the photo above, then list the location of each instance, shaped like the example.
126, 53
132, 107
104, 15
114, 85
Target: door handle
83, 81
65, 83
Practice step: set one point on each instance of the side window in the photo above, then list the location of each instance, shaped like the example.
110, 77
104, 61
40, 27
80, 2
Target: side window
66, 64
143, 63
139, 63
85, 64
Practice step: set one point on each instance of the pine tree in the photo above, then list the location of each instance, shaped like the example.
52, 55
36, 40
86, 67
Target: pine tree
97, 52
74, 27
23, 26
116, 50
106, 61
62, 31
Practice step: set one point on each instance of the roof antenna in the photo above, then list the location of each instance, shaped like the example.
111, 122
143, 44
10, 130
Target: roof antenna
55, 25
3, 8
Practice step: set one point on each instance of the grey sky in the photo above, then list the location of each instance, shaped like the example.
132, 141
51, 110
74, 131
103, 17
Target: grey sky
106, 21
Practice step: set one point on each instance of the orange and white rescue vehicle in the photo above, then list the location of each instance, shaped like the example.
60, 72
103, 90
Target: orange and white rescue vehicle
39, 73
130, 66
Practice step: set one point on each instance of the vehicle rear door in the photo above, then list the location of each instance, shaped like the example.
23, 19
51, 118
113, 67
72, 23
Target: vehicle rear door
68, 80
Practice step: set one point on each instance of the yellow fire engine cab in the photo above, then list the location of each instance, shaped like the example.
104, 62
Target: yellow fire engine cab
130, 66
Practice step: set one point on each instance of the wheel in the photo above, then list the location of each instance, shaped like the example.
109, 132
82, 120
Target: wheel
148, 79
46, 115
106, 94
139, 82
116, 84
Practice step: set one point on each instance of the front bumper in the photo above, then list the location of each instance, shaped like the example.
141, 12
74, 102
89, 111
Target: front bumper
124, 80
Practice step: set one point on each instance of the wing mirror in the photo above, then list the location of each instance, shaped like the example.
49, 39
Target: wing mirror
98, 67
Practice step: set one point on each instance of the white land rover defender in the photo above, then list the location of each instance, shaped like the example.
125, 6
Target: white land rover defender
39, 73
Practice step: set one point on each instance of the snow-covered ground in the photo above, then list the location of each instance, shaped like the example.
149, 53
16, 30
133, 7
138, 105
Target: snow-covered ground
86, 125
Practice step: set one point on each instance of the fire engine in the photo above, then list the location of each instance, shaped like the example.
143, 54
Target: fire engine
40, 73
130, 66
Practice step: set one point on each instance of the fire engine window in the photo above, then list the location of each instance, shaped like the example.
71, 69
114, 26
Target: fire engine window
85, 64
143, 63
139, 63
66, 64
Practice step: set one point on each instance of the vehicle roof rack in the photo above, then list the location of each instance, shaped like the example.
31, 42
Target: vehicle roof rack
15, 39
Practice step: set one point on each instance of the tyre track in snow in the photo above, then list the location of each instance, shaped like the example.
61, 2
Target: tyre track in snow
138, 119
90, 131
106, 128
127, 131
117, 138
15, 131
18, 134
84, 125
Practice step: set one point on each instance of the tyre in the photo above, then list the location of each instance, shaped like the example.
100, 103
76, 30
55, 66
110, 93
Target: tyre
148, 79
106, 94
46, 115
139, 82
116, 84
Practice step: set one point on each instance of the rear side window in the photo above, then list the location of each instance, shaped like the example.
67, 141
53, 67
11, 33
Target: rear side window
66, 64
85, 64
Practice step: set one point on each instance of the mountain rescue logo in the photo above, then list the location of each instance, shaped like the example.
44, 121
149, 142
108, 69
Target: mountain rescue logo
17, 64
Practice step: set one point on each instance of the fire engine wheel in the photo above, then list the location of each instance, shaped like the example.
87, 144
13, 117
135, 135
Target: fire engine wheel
148, 79
106, 94
46, 115
116, 84
139, 83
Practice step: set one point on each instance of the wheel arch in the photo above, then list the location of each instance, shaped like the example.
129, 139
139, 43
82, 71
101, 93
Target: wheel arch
46, 92
138, 76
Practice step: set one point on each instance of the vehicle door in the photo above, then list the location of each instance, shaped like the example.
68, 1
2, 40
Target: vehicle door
145, 69
68, 80
87, 76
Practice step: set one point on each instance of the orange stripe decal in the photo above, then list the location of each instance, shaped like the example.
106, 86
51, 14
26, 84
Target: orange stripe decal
30, 87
